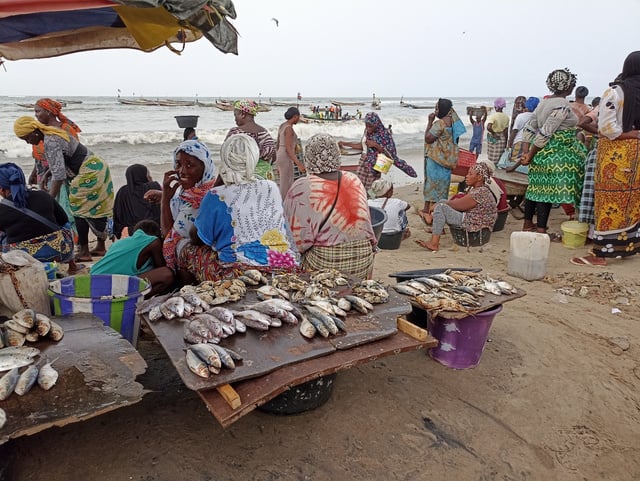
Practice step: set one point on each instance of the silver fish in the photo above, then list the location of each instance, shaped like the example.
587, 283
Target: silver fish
25, 317
13, 338
340, 324
254, 274
192, 298
234, 355
343, 304
407, 290
213, 323
43, 324
166, 312
22, 350
175, 305
3, 418
11, 361
196, 365
360, 304
252, 315
27, 379
15, 326
318, 325
275, 322
306, 328
491, 288
222, 313
207, 353
31, 336
225, 357
506, 288
155, 313
48, 376
56, 333
240, 326
8, 383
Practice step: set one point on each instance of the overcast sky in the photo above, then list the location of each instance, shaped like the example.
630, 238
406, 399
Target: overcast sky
411, 48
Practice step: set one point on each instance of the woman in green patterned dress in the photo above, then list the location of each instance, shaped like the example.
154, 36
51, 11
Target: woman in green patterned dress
556, 155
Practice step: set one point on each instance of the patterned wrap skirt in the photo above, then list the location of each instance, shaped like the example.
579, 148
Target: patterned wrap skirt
556, 173
436, 181
54, 247
617, 198
353, 258
91, 191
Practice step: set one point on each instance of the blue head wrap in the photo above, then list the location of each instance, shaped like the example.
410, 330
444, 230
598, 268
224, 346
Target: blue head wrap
12, 178
531, 103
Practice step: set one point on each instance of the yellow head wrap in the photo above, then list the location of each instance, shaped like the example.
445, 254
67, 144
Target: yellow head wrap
25, 125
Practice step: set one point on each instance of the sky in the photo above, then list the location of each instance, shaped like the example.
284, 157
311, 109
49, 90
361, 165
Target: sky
354, 48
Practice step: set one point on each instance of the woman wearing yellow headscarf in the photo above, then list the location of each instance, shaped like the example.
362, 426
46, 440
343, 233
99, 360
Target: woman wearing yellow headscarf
80, 181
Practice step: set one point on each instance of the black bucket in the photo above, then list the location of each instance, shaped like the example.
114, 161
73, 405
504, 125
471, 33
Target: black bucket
303, 397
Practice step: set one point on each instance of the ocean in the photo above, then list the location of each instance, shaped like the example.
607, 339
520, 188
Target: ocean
123, 134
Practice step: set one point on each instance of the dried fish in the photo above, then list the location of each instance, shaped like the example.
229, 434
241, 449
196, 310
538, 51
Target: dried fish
8, 383
196, 365
25, 317
27, 379
43, 324
48, 376
307, 329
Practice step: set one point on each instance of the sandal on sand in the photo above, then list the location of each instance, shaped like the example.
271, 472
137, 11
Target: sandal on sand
84, 259
423, 244
555, 237
78, 268
589, 261
423, 215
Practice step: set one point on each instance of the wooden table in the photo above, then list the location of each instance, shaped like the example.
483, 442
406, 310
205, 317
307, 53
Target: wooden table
280, 358
515, 182
97, 369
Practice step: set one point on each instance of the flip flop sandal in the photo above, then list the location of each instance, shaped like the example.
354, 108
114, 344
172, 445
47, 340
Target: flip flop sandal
97, 253
586, 261
555, 237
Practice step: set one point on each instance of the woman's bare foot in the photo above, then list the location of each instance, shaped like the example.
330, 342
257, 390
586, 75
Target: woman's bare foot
427, 245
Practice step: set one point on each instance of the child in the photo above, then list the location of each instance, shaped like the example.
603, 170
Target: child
475, 145
139, 255
396, 209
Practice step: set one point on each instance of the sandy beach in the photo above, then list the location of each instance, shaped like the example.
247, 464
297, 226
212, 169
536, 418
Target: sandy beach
555, 397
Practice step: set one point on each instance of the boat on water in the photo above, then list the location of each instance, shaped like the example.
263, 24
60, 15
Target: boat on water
227, 105
335, 102
416, 106
157, 103
69, 102
276, 103
32, 106
318, 118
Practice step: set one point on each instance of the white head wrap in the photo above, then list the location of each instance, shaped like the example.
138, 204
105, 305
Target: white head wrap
239, 156
380, 187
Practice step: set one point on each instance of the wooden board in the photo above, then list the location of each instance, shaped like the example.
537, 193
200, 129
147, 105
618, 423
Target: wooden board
256, 392
97, 370
266, 351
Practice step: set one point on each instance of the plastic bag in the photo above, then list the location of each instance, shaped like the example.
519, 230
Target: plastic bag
505, 159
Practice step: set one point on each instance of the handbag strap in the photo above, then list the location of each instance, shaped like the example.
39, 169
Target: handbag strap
30, 213
332, 205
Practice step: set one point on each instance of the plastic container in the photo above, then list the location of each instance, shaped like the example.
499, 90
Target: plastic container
453, 189
461, 341
390, 240
528, 253
574, 233
383, 164
185, 121
466, 159
469, 239
112, 298
378, 218
51, 268
501, 220
303, 397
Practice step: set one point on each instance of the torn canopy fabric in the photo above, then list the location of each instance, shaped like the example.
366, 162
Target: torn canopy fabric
31, 29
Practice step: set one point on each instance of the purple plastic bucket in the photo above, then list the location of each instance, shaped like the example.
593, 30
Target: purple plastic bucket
461, 341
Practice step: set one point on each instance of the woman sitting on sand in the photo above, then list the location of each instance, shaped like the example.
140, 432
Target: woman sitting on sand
328, 213
241, 223
376, 139
473, 212
183, 189
32, 221
80, 181
244, 113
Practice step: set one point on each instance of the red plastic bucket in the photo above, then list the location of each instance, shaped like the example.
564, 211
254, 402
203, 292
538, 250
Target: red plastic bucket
461, 341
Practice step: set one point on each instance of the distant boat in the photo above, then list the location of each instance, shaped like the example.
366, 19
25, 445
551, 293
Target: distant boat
316, 118
69, 102
335, 102
157, 103
32, 106
414, 106
275, 103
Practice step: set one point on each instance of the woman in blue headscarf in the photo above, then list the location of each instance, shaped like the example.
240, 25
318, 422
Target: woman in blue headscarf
376, 140
183, 189
32, 221
440, 153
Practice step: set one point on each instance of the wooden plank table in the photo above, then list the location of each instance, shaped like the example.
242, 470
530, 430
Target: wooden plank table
97, 369
515, 182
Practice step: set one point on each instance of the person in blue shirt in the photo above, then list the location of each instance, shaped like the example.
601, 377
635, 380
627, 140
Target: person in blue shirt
139, 255
475, 145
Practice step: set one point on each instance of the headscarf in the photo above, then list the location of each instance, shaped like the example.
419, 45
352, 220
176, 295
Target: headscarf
200, 151
322, 154
532, 103
495, 189
246, 106
380, 187
23, 126
239, 156
12, 178
499, 103
484, 170
629, 80
561, 80
54, 107
130, 206
444, 107
382, 136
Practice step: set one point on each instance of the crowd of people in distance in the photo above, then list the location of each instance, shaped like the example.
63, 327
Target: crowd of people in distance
269, 204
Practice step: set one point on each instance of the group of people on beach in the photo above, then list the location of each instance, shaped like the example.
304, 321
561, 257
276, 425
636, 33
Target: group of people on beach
208, 219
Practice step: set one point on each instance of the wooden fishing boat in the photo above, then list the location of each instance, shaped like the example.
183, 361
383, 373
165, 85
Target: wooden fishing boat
32, 106
416, 106
335, 102
223, 106
316, 118
138, 101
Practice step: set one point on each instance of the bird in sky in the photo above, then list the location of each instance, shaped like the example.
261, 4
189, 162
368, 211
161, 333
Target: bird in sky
276, 21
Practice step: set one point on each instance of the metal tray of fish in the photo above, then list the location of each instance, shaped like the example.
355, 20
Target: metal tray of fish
407, 275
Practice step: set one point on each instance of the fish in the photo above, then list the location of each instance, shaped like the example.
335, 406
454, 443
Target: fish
240, 326
407, 290
253, 274
442, 277
428, 281
225, 315
25, 317
167, 313
192, 298
318, 325
48, 376
196, 365
360, 304
3, 418
43, 324
506, 288
339, 323
211, 322
207, 353
343, 304
176, 305
15, 326
155, 313
22, 350
14, 360
8, 383
253, 316
307, 329
225, 357
14, 338
56, 333
289, 317
234, 355
27, 379
491, 288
